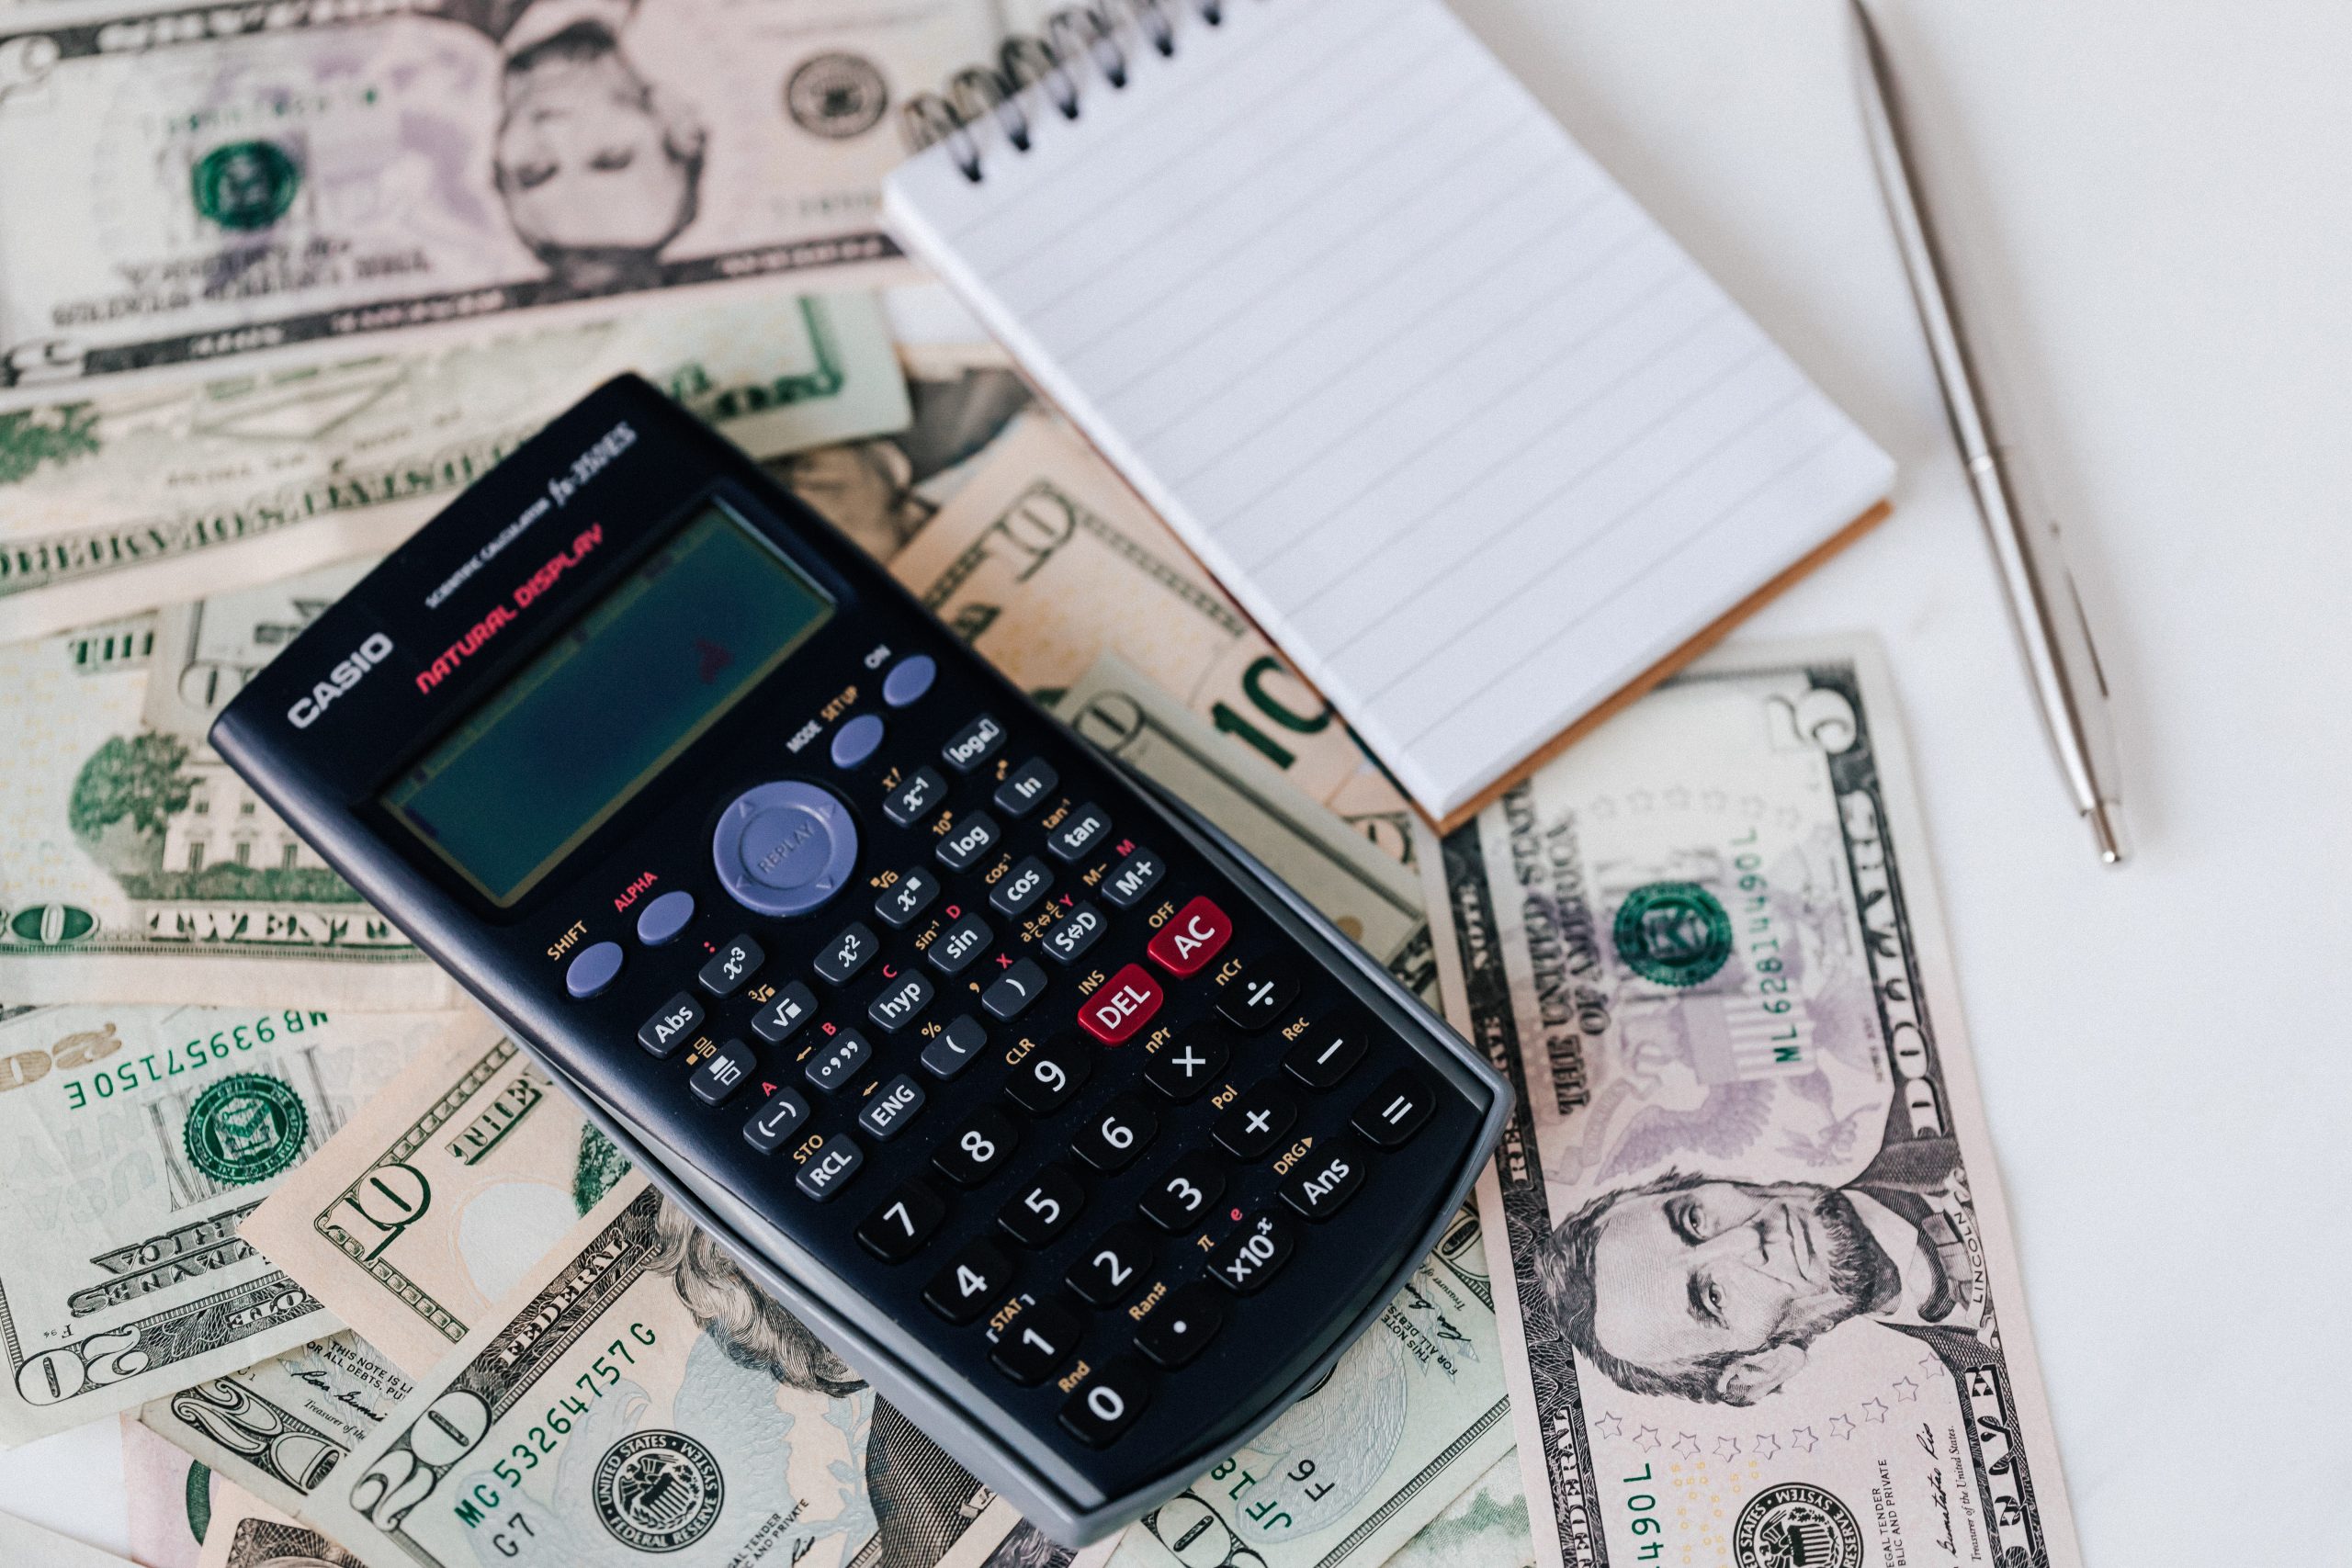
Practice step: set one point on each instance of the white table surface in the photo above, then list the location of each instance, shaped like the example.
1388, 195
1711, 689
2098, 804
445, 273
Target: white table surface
2151, 210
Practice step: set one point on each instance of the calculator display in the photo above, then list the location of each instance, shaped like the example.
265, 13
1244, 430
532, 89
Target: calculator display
550, 755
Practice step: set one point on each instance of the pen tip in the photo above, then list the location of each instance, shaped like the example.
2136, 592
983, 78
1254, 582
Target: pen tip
2107, 831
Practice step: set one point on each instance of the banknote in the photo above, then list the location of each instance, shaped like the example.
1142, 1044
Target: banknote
169, 1498
134, 497
292, 181
277, 1428
1413, 1413
1484, 1528
134, 865
882, 490
1762, 1296
442, 1193
1371, 897
1044, 559
137, 1137
634, 1400
34, 1546
1026, 1546
247, 1531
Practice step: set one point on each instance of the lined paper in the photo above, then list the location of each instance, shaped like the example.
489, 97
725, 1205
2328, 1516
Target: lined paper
1459, 425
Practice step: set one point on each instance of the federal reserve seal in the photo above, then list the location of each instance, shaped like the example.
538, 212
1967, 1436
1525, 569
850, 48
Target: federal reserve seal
245, 186
836, 95
1796, 1525
246, 1128
658, 1491
1673, 932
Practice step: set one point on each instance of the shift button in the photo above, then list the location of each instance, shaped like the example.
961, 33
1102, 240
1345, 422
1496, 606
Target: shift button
593, 970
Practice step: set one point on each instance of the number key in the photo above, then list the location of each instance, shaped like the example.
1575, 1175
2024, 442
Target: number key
1042, 1212
1184, 1193
973, 1280
977, 1149
1112, 1266
1039, 1339
1119, 1132
1106, 1404
904, 1222
1049, 1076
852, 949
730, 967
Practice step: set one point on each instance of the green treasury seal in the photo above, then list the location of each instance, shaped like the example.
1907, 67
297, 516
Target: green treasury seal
245, 185
246, 1128
658, 1490
1673, 932
1796, 1525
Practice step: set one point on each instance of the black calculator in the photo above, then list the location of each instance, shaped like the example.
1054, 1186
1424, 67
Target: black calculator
1067, 1124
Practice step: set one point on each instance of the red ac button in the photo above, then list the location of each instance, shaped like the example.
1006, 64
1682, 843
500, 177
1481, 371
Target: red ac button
1123, 1004
1186, 943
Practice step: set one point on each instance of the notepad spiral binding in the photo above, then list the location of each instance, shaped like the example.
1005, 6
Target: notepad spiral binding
1075, 37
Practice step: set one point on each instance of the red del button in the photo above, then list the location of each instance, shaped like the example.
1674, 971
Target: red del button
1187, 942
1123, 1005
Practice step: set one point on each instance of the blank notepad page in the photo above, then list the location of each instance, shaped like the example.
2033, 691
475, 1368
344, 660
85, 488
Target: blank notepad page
1470, 438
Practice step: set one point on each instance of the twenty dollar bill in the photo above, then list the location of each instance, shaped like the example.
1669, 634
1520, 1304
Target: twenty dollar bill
1759, 1280
634, 1400
138, 1138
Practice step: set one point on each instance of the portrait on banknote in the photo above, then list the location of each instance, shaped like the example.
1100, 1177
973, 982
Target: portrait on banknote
1758, 1266
921, 1499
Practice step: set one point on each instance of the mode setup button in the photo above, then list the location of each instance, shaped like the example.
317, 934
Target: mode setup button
784, 848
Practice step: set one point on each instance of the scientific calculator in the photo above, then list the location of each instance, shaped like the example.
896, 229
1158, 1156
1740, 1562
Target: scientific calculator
1061, 1120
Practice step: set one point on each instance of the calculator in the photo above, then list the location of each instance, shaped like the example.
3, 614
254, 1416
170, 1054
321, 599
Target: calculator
1078, 1135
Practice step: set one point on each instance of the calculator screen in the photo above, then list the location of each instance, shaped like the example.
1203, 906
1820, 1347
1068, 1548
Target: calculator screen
548, 757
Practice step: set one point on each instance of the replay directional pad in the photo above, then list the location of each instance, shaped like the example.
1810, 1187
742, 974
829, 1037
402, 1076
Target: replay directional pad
785, 848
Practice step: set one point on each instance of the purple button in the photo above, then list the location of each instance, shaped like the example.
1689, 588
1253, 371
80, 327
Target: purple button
784, 848
908, 680
854, 741
663, 919
592, 969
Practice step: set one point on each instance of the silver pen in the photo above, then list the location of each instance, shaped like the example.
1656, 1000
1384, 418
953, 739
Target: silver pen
2048, 614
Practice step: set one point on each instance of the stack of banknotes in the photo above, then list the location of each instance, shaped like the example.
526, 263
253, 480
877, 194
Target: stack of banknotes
275, 283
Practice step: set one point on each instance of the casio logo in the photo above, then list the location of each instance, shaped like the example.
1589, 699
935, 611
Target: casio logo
341, 679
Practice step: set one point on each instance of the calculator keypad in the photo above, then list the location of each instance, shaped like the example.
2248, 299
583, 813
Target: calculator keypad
1101, 1122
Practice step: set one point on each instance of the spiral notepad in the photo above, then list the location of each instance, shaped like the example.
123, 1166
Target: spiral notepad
1473, 441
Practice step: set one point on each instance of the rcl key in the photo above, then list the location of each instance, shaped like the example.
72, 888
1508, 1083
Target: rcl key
1246, 1259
